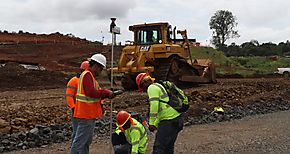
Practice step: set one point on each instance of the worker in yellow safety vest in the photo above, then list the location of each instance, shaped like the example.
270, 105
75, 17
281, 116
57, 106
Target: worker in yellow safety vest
162, 117
130, 135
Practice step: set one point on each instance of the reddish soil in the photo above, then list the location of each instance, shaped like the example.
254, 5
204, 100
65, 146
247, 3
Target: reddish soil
53, 51
10, 38
41, 101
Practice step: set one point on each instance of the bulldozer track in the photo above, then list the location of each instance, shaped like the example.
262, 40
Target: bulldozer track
172, 69
161, 71
128, 81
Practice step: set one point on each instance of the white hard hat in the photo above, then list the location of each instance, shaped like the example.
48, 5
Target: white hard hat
99, 58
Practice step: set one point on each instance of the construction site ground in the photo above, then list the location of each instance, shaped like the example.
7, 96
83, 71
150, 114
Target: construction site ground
268, 133
23, 105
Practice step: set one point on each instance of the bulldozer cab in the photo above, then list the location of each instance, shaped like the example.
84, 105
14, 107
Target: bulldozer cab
149, 34
156, 50
159, 33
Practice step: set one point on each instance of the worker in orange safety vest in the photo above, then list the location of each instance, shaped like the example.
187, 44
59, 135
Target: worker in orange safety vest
71, 91
88, 104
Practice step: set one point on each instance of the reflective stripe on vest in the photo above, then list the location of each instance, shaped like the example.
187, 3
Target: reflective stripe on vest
71, 91
71, 87
153, 114
70, 95
142, 134
87, 107
164, 95
82, 97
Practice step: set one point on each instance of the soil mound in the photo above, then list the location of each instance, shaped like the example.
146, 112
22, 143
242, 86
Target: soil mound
15, 76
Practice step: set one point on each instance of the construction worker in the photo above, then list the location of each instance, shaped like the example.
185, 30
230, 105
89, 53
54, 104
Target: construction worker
130, 136
166, 120
150, 38
71, 91
88, 104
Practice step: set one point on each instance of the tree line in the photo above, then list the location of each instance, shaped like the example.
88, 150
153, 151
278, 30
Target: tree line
223, 24
253, 48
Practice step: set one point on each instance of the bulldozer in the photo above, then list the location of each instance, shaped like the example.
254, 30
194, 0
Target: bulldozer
157, 51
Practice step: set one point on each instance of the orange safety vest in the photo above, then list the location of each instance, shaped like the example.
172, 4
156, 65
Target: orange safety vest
87, 107
71, 91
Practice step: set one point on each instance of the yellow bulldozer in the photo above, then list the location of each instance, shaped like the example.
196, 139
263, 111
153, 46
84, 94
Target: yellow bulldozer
157, 50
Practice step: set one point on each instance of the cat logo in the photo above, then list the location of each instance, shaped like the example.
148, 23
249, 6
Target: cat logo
144, 48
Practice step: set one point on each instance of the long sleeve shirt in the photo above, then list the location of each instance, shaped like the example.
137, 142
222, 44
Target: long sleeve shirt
71, 91
159, 110
89, 90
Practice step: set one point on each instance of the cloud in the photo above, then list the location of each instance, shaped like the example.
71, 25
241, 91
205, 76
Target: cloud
264, 35
260, 19
65, 10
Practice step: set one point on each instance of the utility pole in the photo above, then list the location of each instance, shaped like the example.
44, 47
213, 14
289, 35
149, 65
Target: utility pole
113, 30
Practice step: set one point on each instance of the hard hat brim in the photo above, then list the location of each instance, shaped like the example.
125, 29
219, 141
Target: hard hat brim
89, 59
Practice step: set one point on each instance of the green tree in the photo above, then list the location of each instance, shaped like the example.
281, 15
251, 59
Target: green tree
223, 23
233, 50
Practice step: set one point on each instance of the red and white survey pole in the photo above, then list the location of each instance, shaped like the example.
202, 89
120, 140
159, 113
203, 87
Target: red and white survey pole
113, 30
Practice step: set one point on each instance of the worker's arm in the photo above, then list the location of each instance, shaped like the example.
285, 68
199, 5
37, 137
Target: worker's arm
88, 84
70, 93
135, 139
154, 95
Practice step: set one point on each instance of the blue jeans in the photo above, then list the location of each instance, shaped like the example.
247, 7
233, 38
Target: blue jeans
74, 125
83, 136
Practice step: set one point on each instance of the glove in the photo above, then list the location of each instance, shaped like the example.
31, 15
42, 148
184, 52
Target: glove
118, 92
111, 95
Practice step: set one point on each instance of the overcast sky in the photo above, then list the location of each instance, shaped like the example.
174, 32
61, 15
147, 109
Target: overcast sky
262, 20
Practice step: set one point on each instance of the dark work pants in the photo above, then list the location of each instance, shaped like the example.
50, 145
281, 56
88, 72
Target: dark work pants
166, 135
120, 144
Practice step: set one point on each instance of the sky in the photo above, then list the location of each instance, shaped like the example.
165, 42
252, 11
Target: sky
261, 20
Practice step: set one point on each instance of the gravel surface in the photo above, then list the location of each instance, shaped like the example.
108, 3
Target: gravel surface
268, 133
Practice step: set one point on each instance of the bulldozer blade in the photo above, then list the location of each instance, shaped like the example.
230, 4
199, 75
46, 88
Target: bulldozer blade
198, 79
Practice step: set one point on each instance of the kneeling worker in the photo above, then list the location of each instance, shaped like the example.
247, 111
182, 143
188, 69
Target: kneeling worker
130, 135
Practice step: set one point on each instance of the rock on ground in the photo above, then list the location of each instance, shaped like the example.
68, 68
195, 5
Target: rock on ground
268, 133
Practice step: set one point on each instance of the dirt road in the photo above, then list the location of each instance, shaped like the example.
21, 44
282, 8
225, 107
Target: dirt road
269, 133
